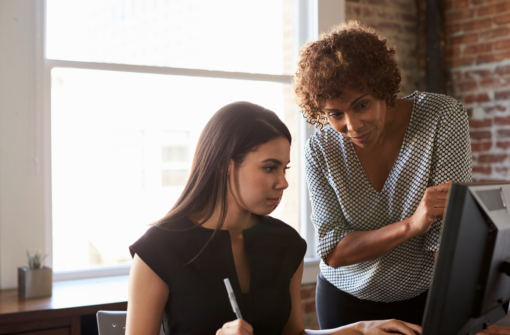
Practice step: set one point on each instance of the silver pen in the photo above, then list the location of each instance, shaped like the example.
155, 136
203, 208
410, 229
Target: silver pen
232, 298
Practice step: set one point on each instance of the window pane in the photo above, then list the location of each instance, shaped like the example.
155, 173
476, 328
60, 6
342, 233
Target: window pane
229, 35
122, 147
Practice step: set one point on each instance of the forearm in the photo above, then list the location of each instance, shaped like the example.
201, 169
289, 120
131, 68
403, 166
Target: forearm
362, 246
346, 330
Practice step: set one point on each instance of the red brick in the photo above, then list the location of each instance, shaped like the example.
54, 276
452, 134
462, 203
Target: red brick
488, 83
459, 15
310, 307
367, 12
452, 28
482, 97
502, 70
469, 112
477, 74
482, 169
484, 2
457, 75
502, 95
478, 147
503, 145
409, 17
499, 108
502, 19
493, 57
494, 9
502, 44
495, 33
389, 26
453, 52
307, 292
503, 133
501, 169
502, 82
476, 24
467, 86
477, 48
456, 62
353, 11
459, 4
492, 158
376, 2
502, 121
464, 39
486, 123
480, 135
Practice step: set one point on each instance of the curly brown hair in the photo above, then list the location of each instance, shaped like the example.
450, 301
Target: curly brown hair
350, 55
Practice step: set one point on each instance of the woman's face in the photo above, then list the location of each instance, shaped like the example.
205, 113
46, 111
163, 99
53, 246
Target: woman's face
358, 116
257, 184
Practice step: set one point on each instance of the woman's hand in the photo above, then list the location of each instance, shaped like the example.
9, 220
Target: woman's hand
237, 327
431, 208
495, 330
388, 327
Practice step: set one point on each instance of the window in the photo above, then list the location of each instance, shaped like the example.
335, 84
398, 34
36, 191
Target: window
133, 83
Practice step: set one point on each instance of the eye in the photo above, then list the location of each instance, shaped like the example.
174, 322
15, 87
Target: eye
362, 105
335, 115
270, 168
285, 169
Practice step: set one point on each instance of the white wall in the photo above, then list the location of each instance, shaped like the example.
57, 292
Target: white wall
22, 184
331, 13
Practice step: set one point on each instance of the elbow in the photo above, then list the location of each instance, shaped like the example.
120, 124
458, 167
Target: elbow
335, 261
332, 261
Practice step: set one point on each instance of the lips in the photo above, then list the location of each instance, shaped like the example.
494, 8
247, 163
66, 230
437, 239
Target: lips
274, 201
363, 138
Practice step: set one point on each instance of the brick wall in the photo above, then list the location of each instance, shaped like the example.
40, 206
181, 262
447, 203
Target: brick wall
308, 306
477, 36
397, 20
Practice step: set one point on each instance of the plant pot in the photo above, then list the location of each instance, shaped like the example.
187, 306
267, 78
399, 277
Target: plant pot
34, 283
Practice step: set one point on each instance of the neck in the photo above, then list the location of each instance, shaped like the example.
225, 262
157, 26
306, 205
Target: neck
236, 220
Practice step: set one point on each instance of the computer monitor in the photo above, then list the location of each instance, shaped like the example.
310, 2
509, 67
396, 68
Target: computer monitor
471, 282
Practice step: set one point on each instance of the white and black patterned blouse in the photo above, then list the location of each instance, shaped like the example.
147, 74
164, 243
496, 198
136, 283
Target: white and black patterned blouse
435, 150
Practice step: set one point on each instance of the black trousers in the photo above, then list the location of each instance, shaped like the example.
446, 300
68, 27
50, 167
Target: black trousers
335, 308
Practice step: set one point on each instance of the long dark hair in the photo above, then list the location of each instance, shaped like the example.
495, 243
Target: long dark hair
232, 132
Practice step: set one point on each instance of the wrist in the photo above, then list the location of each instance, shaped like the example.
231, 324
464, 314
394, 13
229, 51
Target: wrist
411, 229
360, 327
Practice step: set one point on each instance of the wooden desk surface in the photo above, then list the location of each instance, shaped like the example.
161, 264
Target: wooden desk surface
70, 298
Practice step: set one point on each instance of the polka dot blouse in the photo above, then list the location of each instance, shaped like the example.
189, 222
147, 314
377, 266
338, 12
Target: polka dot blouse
435, 150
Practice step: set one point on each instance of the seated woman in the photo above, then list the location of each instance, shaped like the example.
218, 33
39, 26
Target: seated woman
218, 229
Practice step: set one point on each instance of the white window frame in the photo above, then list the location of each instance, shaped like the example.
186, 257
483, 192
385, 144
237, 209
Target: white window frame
308, 23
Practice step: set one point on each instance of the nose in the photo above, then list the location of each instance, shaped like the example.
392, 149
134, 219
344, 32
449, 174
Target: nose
282, 183
353, 123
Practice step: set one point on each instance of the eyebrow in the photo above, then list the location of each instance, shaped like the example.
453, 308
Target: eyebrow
274, 160
352, 104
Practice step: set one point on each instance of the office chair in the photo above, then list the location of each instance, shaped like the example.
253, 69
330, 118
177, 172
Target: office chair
114, 323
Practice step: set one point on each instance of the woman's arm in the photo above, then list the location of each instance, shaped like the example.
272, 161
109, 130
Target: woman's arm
362, 246
147, 296
295, 324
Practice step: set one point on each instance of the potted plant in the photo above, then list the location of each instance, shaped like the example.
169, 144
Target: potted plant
35, 280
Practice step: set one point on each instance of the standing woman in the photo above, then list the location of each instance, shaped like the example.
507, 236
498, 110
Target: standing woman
378, 173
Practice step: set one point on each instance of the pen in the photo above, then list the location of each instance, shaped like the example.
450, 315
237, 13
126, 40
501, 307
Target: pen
232, 298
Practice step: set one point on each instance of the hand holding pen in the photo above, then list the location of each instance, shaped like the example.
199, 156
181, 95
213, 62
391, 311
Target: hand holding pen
239, 326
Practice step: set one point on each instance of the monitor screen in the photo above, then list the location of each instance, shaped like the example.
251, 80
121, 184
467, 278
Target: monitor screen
471, 283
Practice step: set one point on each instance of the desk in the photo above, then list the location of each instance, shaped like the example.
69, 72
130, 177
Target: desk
70, 309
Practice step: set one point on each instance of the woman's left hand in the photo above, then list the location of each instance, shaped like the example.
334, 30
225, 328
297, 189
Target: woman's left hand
495, 330
388, 327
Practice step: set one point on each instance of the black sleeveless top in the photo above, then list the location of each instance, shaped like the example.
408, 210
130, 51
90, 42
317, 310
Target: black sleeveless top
198, 302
